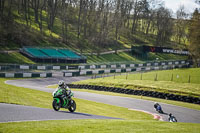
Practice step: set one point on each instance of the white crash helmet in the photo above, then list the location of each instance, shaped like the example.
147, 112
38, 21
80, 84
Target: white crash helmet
61, 83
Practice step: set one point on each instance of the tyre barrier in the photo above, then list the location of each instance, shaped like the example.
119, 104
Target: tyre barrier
25, 75
154, 94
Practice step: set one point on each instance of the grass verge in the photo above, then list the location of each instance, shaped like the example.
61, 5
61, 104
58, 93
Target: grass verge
148, 82
99, 126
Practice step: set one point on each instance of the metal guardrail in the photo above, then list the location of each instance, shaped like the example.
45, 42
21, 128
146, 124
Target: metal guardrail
27, 67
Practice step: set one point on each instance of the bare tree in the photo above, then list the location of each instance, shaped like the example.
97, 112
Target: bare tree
164, 26
79, 17
2, 5
180, 24
52, 7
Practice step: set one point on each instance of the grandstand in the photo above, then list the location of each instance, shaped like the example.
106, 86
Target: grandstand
52, 55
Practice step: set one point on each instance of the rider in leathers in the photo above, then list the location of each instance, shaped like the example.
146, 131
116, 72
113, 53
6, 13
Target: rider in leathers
65, 89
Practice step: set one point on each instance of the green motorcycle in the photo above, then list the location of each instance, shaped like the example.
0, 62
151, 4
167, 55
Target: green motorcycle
60, 102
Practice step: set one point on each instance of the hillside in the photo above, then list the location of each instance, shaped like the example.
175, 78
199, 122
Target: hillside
23, 25
86, 30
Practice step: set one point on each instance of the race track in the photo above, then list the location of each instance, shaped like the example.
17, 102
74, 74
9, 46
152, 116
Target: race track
182, 114
16, 113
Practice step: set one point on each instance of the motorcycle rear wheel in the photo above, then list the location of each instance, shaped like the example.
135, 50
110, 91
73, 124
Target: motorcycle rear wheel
72, 107
56, 106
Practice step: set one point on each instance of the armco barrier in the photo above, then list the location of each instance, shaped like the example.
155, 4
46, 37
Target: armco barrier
160, 95
82, 67
25, 75
145, 68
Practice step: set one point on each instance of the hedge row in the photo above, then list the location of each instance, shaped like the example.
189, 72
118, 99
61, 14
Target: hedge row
154, 94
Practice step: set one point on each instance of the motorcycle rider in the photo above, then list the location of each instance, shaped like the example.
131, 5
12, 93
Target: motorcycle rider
172, 118
65, 89
157, 106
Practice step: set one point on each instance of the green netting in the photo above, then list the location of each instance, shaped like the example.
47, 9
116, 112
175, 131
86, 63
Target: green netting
69, 53
35, 52
53, 53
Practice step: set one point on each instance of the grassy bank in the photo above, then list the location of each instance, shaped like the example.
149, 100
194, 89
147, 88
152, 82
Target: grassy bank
14, 57
146, 81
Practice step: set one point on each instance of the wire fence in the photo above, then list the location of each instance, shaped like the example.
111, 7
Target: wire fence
174, 77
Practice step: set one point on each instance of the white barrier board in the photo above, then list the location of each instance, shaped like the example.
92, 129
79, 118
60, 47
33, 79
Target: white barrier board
27, 75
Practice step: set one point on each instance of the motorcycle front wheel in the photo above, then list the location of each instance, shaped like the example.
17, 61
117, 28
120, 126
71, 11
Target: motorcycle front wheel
72, 107
56, 106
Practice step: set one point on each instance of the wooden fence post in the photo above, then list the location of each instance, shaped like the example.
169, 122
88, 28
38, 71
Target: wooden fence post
189, 79
156, 77
172, 77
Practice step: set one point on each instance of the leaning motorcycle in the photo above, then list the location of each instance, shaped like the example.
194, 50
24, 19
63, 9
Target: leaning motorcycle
60, 102
159, 109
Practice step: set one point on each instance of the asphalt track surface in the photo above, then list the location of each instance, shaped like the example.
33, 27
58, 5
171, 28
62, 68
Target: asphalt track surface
182, 114
16, 113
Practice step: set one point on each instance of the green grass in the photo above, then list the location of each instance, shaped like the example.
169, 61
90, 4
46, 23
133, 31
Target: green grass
163, 56
99, 126
15, 57
133, 121
179, 84
111, 58
127, 57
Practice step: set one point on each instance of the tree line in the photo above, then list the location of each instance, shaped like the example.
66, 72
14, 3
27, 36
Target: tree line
101, 22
